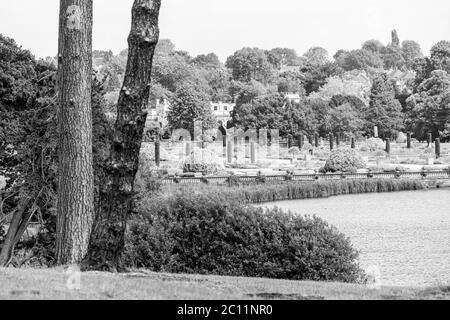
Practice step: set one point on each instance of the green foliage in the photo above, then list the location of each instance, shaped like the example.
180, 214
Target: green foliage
194, 231
395, 39
440, 56
345, 119
233, 180
27, 129
384, 110
250, 64
360, 59
275, 112
429, 108
208, 61
315, 76
355, 102
261, 113
373, 45
246, 92
280, 57
393, 57
109, 68
374, 144
316, 56
18, 75
294, 190
411, 51
344, 160
423, 68
190, 104
355, 83
29, 134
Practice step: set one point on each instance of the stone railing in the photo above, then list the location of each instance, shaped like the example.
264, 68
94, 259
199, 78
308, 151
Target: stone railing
425, 175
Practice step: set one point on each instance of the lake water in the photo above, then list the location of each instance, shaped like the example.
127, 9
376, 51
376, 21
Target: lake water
404, 234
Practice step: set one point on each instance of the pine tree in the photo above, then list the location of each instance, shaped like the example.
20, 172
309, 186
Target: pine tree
384, 110
115, 198
76, 176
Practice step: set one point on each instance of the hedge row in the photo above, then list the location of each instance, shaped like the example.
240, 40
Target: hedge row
259, 193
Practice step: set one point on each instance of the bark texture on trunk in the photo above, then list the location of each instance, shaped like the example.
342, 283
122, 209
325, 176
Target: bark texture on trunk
13, 235
115, 198
76, 178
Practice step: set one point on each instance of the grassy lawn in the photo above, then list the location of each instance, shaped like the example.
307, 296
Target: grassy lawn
51, 284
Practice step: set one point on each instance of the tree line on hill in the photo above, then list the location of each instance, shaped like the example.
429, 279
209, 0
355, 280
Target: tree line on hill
394, 87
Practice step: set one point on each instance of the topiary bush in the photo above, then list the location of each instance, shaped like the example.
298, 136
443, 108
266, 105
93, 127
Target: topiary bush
344, 160
211, 233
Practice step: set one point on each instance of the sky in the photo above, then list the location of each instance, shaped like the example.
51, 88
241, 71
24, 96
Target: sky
225, 26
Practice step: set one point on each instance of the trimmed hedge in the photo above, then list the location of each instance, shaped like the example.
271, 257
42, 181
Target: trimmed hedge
190, 231
291, 190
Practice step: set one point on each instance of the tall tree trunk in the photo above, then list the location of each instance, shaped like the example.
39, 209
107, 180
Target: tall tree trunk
116, 192
76, 178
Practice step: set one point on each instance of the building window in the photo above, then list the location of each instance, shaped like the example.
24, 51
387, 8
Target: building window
215, 108
225, 108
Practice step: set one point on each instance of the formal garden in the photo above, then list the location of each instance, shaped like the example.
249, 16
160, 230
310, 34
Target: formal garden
177, 159
94, 178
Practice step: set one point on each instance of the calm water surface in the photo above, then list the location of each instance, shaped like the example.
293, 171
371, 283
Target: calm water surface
405, 234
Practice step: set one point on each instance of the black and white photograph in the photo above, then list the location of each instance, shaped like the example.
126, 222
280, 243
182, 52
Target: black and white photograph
242, 152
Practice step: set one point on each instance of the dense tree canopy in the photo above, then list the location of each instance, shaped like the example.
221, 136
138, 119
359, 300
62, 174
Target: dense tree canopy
384, 110
250, 64
316, 56
360, 59
440, 56
253, 75
280, 57
429, 108
190, 104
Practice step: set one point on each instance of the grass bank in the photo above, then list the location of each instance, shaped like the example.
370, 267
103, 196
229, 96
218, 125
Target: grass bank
291, 190
51, 284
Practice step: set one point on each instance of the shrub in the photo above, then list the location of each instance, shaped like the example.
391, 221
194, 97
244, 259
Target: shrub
212, 233
344, 160
260, 178
233, 180
204, 161
374, 144
292, 190
148, 178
